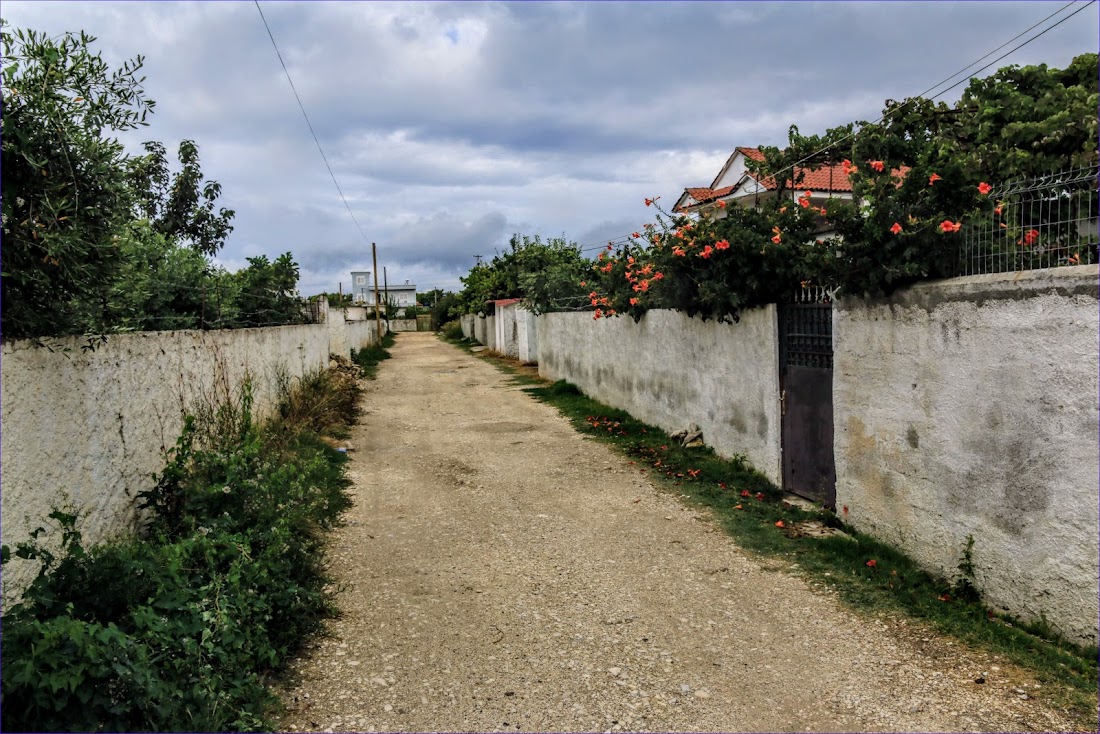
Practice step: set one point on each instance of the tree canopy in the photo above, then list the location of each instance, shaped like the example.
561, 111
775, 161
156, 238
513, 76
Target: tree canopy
916, 175
97, 241
543, 274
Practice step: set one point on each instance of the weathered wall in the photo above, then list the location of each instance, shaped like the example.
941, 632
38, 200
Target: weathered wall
337, 332
527, 336
467, 321
969, 407
481, 329
671, 370
362, 333
506, 330
358, 313
91, 428
490, 332
402, 325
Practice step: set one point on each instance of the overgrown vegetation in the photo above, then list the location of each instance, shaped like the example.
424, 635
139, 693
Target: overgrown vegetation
368, 358
180, 628
543, 274
915, 177
443, 305
452, 330
866, 573
95, 240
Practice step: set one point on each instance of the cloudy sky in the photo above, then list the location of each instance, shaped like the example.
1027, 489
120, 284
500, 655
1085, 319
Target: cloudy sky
452, 125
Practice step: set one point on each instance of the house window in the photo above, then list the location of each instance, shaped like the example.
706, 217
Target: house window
360, 279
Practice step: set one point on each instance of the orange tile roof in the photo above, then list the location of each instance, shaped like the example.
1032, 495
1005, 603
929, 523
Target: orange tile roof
753, 153
827, 179
703, 194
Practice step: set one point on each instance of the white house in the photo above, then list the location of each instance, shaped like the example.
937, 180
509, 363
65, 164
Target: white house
361, 287
736, 184
402, 295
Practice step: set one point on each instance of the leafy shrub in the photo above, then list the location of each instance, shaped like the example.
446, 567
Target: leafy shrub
179, 628
453, 330
369, 357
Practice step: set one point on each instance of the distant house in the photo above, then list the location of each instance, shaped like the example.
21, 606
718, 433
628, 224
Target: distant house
361, 287
736, 184
402, 295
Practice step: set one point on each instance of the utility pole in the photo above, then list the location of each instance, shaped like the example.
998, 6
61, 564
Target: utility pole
386, 290
377, 317
478, 258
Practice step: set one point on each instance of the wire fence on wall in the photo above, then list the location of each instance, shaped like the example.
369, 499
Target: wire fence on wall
1036, 223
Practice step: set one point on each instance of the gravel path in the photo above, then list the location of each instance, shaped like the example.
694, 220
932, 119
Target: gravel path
503, 573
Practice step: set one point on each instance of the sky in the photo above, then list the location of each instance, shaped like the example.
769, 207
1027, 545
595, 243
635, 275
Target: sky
450, 126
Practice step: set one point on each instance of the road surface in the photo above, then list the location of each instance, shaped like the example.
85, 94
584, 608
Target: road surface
501, 572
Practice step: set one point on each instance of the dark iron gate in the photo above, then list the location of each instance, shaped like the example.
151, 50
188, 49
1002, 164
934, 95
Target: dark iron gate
806, 396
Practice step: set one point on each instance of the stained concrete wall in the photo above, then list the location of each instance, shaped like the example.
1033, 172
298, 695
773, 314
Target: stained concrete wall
91, 428
467, 321
481, 329
506, 330
402, 325
491, 332
362, 333
358, 313
671, 370
336, 322
527, 336
969, 407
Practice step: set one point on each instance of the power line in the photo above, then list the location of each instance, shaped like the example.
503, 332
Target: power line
308, 123
622, 239
909, 101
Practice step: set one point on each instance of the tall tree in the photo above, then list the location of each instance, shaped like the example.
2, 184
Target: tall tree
180, 206
65, 193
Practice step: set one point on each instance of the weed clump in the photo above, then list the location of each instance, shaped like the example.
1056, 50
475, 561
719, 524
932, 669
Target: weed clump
368, 358
180, 627
452, 330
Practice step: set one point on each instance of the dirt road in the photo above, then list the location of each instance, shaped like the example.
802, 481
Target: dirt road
503, 573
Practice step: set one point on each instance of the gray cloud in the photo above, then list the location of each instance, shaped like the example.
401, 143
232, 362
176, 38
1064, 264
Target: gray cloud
451, 125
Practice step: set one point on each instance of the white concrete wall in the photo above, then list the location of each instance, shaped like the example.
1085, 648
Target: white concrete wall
358, 313
91, 428
671, 370
337, 332
481, 329
491, 332
506, 330
362, 333
403, 325
969, 407
527, 336
467, 321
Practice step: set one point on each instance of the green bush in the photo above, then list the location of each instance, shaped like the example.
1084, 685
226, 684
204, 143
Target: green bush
453, 330
179, 628
369, 357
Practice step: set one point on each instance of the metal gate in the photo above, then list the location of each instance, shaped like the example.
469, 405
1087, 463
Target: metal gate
806, 396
